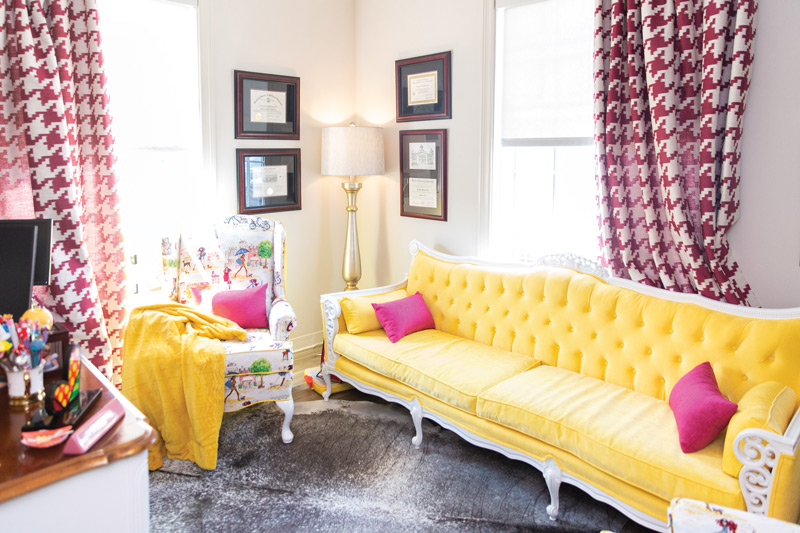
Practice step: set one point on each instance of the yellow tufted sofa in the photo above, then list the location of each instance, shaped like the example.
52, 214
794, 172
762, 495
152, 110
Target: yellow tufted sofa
572, 374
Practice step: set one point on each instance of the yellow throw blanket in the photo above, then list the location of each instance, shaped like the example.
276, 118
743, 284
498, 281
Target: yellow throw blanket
174, 372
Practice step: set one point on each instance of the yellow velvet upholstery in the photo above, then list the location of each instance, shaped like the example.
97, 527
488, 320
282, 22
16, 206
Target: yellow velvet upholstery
785, 482
449, 368
359, 315
626, 434
767, 406
627, 493
518, 348
580, 323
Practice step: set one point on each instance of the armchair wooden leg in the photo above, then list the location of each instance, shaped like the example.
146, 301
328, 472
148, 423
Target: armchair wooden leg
287, 406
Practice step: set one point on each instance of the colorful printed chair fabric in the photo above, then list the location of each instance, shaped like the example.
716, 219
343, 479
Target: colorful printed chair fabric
240, 252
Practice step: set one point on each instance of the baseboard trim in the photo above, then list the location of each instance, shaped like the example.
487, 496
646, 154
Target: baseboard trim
310, 341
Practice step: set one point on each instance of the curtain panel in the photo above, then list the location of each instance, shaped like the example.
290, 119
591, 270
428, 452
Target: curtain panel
671, 81
56, 161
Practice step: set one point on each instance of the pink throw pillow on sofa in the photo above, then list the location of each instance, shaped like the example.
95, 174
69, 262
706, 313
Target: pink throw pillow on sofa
401, 317
700, 409
246, 307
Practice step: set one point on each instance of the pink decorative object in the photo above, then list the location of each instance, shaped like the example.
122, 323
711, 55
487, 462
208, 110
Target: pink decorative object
246, 307
700, 410
197, 295
401, 317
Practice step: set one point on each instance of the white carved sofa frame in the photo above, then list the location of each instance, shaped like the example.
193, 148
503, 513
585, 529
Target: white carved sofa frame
759, 454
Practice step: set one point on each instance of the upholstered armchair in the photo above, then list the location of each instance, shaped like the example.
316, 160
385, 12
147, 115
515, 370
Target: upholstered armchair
236, 269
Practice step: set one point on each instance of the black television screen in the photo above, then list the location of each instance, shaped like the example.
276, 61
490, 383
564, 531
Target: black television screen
16, 268
41, 264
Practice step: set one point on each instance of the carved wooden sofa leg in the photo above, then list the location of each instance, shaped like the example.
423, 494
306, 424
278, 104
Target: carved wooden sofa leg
287, 406
416, 416
326, 375
552, 476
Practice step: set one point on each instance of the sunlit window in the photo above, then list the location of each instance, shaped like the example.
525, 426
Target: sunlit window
543, 189
150, 50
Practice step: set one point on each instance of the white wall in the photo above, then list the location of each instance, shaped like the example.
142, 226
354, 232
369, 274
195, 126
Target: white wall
766, 239
386, 31
344, 53
314, 40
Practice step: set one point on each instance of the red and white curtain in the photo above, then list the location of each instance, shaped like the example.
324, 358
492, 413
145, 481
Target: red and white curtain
56, 161
671, 81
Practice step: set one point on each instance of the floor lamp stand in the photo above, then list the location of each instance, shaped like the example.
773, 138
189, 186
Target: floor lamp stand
351, 265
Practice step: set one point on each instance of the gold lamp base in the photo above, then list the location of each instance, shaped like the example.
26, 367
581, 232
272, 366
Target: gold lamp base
351, 265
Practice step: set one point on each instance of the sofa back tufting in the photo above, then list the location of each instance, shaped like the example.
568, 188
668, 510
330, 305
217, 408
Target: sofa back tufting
581, 323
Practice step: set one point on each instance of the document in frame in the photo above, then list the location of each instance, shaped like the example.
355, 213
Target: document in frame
422, 156
270, 180
422, 193
422, 88
268, 106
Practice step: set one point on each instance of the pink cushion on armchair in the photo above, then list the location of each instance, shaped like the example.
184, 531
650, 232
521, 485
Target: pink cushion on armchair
401, 317
700, 409
246, 307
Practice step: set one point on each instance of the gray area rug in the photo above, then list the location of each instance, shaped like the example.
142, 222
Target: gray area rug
352, 468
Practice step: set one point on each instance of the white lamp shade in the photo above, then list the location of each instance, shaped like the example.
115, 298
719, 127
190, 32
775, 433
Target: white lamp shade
352, 151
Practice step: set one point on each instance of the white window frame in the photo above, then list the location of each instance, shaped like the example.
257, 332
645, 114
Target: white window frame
487, 128
206, 55
205, 85
490, 112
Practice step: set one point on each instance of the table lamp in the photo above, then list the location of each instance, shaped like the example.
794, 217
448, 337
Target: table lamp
352, 151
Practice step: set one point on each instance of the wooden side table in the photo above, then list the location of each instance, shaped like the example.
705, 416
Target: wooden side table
105, 489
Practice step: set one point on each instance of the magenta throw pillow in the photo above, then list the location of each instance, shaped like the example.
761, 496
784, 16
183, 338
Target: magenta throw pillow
700, 410
246, 307
401, 317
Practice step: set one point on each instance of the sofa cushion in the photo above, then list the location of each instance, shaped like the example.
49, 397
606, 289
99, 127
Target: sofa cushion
766, 406
246, 307
629, 435
359, 316
449, 368
701, 411
403, 317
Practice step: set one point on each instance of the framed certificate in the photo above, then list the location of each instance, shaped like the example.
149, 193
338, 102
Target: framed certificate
423, 174
268, 180
267, 106
423, 87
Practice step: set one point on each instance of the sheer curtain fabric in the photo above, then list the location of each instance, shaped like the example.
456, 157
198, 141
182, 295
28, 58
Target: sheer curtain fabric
671, 81
56, 161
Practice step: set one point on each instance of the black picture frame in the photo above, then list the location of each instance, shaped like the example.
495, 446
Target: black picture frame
279, 99
268, 180
423, 174
422, 87
55, 353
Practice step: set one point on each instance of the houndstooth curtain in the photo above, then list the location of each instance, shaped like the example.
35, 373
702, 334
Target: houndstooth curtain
671, 80
56, 161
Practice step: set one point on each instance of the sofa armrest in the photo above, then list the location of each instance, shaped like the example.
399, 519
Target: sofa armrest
332, 311
770, 470
282, 319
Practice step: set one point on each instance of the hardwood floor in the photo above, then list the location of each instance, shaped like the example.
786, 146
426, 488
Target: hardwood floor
301, 392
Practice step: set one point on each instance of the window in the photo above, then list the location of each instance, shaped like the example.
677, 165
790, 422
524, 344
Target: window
542, 185
151, 58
